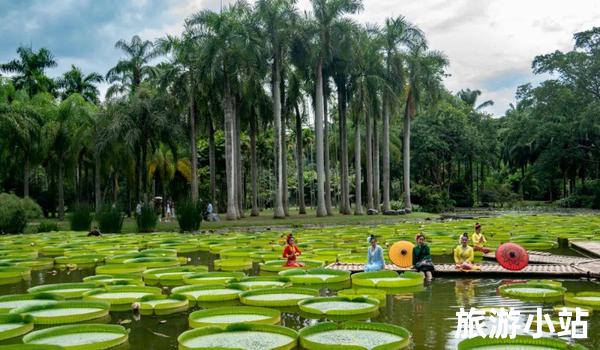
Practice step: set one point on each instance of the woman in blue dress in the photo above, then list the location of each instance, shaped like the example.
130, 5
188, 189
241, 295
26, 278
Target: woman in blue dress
375, 261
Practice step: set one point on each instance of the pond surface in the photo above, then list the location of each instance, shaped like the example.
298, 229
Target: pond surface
429, 314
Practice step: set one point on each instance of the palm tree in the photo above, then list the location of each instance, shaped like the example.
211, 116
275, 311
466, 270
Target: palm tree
129, 73
326, 12
29, 70
227, 40
397, 35
469, 97
74, 81
276, 17
425, 72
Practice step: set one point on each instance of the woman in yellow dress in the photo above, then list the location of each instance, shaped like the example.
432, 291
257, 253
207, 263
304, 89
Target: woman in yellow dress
464, 254
479, 240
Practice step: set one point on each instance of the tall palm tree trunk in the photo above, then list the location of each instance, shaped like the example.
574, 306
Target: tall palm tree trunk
358, 210
97, 187
232, 211
211, 162
369, 165
61, 189
345, 187
386, 157
326, 158
253, 163
193, 150
376, 193
278, 212
284, 154
239, 181
319, 112
408, 114
26, 177
299, 161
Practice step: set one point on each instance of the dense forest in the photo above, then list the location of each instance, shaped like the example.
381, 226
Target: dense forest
262, 106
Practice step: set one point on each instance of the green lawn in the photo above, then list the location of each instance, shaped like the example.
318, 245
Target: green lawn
266, 220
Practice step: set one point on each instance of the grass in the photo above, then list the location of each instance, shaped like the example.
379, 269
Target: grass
266, 219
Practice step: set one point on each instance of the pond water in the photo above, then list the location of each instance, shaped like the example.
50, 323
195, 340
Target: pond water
428, 314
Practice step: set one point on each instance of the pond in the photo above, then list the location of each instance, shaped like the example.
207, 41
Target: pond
429, 313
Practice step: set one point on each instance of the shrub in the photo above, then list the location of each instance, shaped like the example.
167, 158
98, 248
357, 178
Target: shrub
147, 219
13, 216
189, 215
32, 209
396, 205
431, 199
81, 218
47, 226
110, 219
587, 196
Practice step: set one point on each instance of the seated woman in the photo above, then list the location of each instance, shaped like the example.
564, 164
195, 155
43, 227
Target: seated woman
479, 240
464, 254
290, 252
422, 257
375, 261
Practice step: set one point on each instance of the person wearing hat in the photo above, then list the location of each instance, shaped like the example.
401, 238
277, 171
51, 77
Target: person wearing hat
291, 252
422, 257
375, 260
479, 240
464, 254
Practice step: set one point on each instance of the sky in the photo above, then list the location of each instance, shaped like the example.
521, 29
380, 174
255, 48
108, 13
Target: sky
490, 43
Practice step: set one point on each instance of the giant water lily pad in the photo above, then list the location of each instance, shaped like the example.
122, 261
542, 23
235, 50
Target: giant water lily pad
120, 297
211, 278
279, 265
82, 336
209, 293
163, 305
316, 276
9, 302
14, 325
585, 299
171, 276
233, 264
65, 290
238, 314
239, 336
277, 297
65, 312
354, 335
261, 282
339, 306
387, 279
533, 291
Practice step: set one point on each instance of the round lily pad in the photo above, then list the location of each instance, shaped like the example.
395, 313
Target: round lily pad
279, 265
208, 293
81, 336
261, 282
586, 299
387, 279
65, 290
171, 276
364, 292
316, 276
239, 336
339, 306
277, 297
210, 278
163, 305
14, 325
533, 291
121, 297
64, 312
233, 264
354, 335
518, 343
238, 314
9, 302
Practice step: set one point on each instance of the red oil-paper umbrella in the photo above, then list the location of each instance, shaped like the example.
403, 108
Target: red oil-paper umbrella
512, 256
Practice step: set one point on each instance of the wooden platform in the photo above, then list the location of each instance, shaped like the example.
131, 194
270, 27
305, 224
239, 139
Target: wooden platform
586, 270
591, 248
536, 257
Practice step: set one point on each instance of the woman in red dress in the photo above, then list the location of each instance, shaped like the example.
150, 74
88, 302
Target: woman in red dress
290, 252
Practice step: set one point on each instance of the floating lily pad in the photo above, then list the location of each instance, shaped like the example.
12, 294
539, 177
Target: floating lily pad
9, 302
277, 297
387, 279
121, 297
316, 276
354, 335
14, 325
586, 299
238, 314
261, 282
204, 293
211, 278
64, 312
518, 343
65, 290
279, 265
82, 336
339, 306
171, 276
239, 336
108, 280
364, 292
14, 274
233, 264
533, 291
163, 305
116, 269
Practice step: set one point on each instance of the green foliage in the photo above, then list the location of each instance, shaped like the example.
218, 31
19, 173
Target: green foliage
189, 215
432, 199
81, 218
147, 219
587, 196
110, 219
32, 209
13, 216
47, 226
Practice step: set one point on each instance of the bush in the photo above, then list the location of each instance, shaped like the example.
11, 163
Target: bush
147, 219
13, 216
431, 199
81, 218
189, 215
32, 209
46, 226
396, 205
587, 196
110, 219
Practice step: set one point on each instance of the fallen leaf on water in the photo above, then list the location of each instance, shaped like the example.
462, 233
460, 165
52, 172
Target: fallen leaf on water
124, 321
159, 334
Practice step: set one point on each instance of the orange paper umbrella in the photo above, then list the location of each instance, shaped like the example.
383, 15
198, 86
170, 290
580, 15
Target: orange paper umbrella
512, 256
401, 253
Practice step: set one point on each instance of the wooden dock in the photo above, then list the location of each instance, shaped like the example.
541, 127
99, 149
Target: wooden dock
536, 257
591, 248
585, 270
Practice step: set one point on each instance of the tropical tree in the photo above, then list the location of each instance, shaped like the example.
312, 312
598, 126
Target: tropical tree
469, 97
29, 70
74, 81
